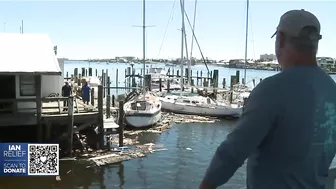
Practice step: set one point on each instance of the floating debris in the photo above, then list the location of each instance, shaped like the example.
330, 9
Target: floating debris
170, 118
118, 154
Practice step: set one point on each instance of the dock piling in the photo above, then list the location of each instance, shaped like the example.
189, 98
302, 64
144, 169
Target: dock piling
160, 84
100, 116
121, 123
224, 83
70, 124
108, 98
237, 76
90, 71
117, 82
76, 72
92, 96
113, 100
168, 86
83, 72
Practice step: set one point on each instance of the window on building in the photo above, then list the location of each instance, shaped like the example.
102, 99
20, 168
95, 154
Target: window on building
27, 85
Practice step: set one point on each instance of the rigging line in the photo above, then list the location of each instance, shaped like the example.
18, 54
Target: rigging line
182, 43
193, 29
165, 33
192, 44
199, 48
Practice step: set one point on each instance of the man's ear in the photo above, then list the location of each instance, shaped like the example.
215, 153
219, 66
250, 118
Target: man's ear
281, 39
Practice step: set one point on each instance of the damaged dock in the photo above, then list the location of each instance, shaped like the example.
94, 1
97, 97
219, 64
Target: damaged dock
131, 148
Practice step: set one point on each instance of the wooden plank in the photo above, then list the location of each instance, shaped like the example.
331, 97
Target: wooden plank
75, 114
54, 99
78, 118
59, 106
77, 110
70, 124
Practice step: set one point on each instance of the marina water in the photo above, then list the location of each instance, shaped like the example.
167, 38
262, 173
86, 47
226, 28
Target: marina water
190, 148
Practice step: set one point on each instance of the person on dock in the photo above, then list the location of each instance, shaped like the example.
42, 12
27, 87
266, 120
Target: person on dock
287, 130
66, 92
86, 93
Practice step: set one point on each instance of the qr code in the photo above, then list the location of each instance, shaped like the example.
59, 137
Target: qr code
43, 159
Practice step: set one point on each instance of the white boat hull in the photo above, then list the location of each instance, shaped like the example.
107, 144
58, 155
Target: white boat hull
144, 111
191, 109
143, 120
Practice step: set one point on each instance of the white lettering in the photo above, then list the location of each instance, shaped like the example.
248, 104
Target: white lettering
14, 154
14, 147
14, 170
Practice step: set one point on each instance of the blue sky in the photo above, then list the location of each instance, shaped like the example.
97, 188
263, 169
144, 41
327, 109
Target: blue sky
103, 29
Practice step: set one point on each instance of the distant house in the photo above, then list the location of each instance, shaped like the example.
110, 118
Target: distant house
267, 57
126, 58
27, 61
325, 61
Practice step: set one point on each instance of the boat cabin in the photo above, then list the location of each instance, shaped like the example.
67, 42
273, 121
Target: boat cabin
29, 70
140, 105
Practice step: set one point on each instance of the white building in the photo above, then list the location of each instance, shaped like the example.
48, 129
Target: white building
267, 57
326, 61
26, 59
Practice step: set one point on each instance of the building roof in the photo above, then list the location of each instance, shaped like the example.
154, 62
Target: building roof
27, 54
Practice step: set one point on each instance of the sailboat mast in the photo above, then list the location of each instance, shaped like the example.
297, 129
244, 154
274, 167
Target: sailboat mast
182, 41
246, 38
192, 44
144, 41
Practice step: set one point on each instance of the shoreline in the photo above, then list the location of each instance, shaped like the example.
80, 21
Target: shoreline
261, 67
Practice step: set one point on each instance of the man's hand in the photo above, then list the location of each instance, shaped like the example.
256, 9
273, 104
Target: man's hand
205, 185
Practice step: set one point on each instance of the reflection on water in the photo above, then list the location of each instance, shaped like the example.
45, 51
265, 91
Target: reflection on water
190, 148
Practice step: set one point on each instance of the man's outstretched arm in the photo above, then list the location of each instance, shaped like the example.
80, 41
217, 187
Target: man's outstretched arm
252, 127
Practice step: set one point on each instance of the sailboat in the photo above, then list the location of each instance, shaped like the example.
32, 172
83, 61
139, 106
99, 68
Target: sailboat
198, 105
143, 110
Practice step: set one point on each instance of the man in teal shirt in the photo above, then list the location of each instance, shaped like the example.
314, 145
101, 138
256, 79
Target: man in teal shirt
288, 127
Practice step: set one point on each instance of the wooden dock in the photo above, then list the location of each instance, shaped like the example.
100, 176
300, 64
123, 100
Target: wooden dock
54, 122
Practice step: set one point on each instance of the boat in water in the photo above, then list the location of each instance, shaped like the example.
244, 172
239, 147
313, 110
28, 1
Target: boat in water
199, 105
160, 73
143, 110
